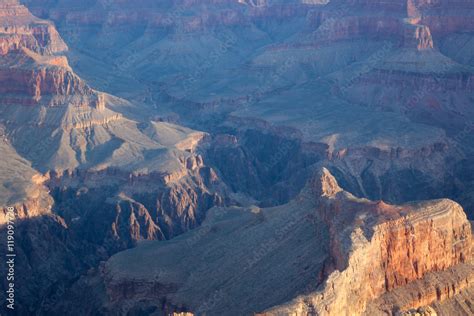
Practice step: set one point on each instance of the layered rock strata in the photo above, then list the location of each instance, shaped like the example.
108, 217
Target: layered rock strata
80, 179
358, 255
376, 248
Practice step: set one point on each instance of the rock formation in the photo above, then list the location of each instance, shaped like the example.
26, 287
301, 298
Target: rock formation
376, 248
348, 256
78, 173
98, 158
20, 29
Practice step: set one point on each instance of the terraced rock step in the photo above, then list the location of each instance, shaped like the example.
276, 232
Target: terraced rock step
188, 130
331, 252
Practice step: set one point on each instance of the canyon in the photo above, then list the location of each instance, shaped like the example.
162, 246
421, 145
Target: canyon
227, 157
335, 253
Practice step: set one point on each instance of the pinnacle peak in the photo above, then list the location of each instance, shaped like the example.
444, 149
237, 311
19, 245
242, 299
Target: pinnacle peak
324, 183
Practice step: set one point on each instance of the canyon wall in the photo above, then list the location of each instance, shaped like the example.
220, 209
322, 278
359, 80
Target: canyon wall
360, 257
376, 248
82, 180
279, 89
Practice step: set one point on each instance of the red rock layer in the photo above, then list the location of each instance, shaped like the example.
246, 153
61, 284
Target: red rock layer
451, 82
389, 19
376, 248
175, 13
21, 29
36, 83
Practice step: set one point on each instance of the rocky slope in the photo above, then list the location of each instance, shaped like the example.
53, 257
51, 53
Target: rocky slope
21, 29
376, 248
84, 179
378, 92
333, 253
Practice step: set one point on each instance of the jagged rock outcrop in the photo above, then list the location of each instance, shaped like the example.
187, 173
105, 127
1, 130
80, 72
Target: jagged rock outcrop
41, 82
348, 254
31, 67
376, 247
401, 20
412, 76
82, 180
87, 225
118, 178
21, 29
418, 36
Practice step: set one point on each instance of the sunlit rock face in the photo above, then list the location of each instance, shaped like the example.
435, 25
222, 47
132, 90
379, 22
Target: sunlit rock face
208, 122
359, 253
406, 239
21, 29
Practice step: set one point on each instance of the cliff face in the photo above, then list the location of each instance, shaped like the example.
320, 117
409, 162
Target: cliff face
35, 84
354, 256
376, 248
419, 29
79, 226
134, 208
445, 17
120, 172
31, 66
399, 20
447, 292
21, 29
35, 205
172, 13
83, 181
